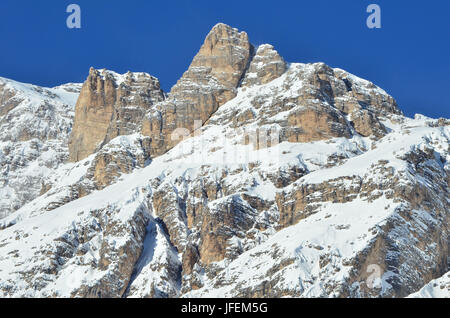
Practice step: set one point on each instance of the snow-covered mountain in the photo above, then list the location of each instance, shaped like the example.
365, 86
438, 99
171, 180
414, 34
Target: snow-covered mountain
253, 177
35, 124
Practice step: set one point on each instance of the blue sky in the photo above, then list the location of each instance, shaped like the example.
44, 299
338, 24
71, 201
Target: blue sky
408, 56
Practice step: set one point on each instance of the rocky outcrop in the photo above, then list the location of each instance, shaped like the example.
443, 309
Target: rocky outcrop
308, 102
224, 220
211, 80
7, 100
110, 105
120, 156
265, 66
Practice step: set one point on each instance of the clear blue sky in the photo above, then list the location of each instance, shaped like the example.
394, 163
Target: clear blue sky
408, 57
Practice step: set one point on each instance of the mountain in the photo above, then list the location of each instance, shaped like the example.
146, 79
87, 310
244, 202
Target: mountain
252, 177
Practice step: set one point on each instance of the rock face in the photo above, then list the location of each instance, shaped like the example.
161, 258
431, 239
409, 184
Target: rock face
7, 100
266, 66
211, 80
110, 105
300, 180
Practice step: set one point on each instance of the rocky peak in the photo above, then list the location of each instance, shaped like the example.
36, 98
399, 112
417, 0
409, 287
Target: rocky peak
266, 66
110, 105
215, 72
210, 81
224, 54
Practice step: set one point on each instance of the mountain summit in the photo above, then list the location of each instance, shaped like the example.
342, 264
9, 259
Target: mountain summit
252, 177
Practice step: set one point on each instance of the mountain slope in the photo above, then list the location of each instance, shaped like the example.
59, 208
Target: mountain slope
35, 124
78, 238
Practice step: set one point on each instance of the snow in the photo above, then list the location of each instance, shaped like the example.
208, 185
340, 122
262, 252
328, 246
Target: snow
33, 138
123, 78
157, 250
437, 288
303, 244
389, 148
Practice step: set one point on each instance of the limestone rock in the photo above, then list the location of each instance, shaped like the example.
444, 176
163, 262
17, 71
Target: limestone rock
190, 258
120, 156
265, 66
367, 124
7, 100
210, 81
225, 220
110, 105
311, 102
